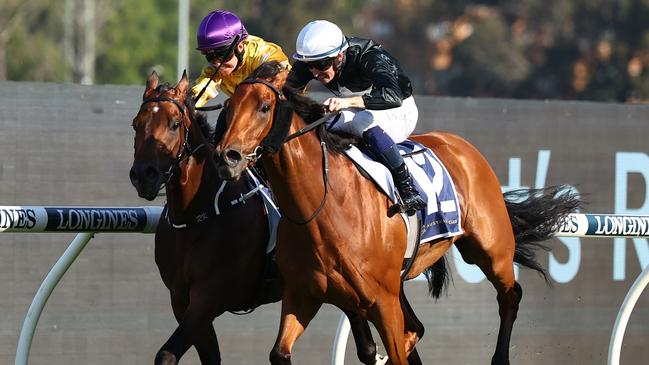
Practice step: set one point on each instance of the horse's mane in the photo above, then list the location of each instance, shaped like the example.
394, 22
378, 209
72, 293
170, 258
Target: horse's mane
308, 109
195, 116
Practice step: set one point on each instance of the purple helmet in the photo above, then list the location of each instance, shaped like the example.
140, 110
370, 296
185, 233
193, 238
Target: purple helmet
218, 29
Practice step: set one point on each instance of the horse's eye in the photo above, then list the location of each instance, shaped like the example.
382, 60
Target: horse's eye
175, 125
265, 108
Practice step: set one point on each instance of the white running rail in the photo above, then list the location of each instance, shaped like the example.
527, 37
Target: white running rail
90, 220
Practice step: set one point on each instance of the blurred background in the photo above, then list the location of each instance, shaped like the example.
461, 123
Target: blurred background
536, 49
65, 143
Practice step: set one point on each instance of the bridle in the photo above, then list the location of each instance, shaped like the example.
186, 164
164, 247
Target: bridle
278, 135
185, 151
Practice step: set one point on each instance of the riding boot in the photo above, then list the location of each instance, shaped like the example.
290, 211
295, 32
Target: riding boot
381, 145
411, 201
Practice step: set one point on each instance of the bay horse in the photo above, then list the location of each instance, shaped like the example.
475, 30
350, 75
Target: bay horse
338, 244
210, 261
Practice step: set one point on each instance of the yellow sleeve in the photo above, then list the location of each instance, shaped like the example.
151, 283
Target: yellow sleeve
267, 51
211, 91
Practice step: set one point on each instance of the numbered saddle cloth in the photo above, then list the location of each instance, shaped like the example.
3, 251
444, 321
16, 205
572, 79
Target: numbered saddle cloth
441, 219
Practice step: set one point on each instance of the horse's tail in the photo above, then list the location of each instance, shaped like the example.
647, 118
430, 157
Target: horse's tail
535, 215
438, 277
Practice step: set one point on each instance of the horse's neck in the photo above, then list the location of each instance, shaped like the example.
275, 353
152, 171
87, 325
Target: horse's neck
193, 192
296, 173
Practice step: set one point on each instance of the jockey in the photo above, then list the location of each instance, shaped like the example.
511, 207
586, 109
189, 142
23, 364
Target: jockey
235, 62
372, 95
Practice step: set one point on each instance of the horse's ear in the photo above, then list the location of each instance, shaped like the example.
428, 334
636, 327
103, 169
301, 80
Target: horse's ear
151, 83
183, 84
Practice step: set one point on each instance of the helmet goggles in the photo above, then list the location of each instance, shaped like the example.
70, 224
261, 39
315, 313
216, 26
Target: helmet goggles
218, 55
321, 65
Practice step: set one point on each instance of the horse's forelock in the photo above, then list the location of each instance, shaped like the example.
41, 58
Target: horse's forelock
163, 88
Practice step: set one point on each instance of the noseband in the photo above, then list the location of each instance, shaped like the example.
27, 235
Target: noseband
185, 151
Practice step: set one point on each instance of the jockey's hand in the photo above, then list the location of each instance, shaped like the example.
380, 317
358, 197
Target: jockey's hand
333, 105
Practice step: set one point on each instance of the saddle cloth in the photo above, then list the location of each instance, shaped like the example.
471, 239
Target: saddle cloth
441, 218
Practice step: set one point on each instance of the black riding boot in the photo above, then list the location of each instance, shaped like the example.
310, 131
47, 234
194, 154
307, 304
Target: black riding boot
383, 147
411, 201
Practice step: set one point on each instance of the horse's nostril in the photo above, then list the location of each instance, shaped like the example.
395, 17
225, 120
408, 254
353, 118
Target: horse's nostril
232, 156
151, 173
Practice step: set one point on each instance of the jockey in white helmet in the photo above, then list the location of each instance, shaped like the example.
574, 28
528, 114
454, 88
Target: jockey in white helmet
372, 95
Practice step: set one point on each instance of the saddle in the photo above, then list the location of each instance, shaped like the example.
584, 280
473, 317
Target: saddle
441, 218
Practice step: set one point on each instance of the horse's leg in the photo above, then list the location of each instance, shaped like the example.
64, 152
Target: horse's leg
192, 324
497, 263
414, 329
387, 317
297, 312
207, 345
508, 300
179, 303
365, 345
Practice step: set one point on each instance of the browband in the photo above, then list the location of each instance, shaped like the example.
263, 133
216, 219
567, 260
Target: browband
164, 98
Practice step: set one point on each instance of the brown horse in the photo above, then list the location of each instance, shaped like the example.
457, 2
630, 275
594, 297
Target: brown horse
211, 263
338, 244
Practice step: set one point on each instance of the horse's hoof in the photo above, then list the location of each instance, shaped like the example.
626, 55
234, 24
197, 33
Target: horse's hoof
165, 358
381, 359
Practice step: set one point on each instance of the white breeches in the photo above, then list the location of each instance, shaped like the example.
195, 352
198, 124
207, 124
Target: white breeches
398, 122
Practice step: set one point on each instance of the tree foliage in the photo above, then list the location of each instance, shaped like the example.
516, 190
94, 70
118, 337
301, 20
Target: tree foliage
29, 34
139, 36
574, 49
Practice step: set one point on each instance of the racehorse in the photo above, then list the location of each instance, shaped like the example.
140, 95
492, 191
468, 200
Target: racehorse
338, 242
212, 260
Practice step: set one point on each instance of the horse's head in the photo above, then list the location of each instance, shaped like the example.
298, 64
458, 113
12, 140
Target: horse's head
161, 135
258, 118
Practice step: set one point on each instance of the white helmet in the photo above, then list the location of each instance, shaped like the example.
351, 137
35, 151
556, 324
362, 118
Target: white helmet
318, 40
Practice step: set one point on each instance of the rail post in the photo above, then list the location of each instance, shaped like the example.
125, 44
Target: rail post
86, 221
44, 292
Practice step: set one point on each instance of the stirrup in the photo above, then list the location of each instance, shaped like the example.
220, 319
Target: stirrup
412, 206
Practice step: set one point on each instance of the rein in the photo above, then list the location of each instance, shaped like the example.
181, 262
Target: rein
308, 128
278, 135
325, 181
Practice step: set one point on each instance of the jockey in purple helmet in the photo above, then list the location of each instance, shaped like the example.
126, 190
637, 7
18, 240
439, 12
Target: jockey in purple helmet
215, 37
